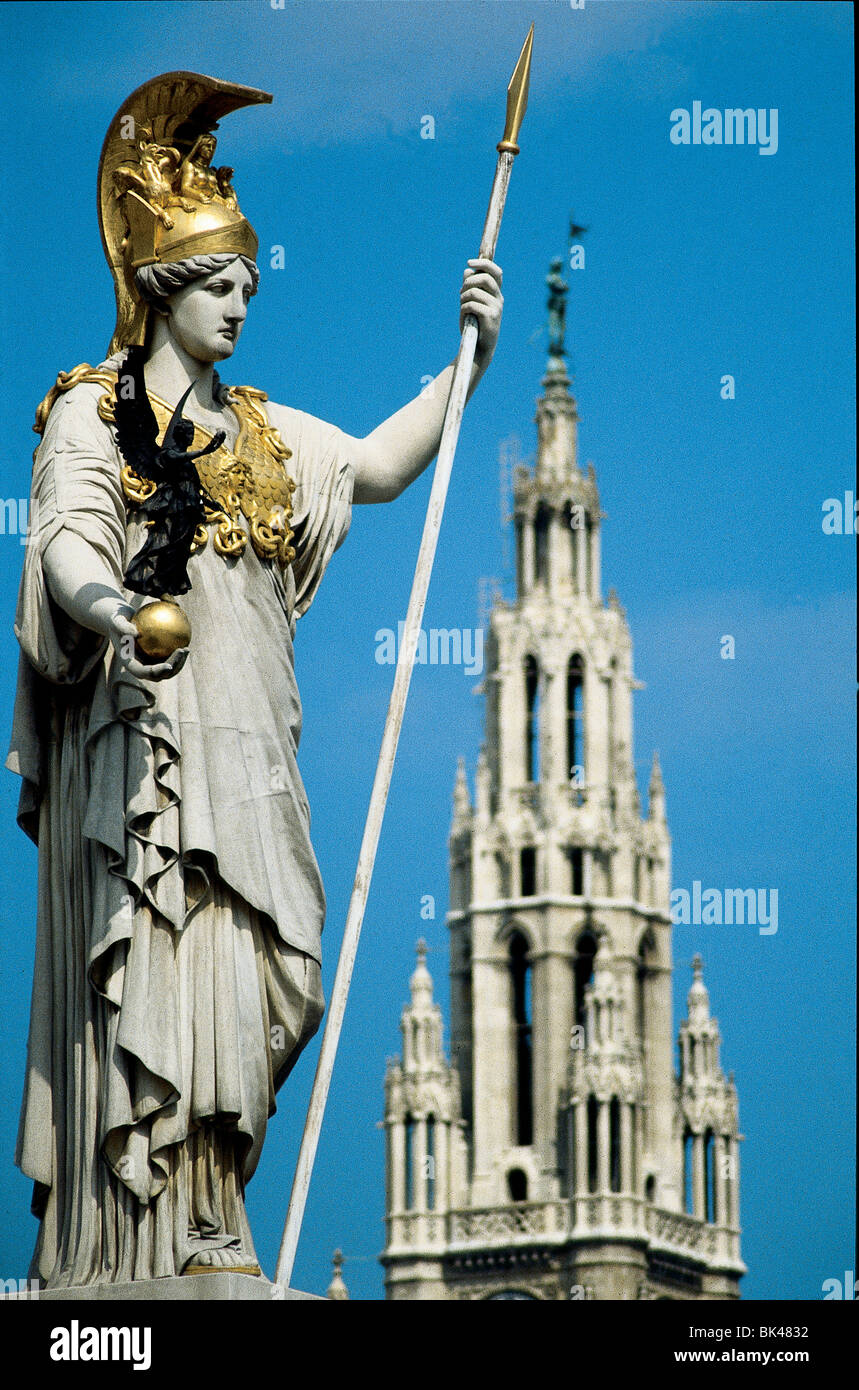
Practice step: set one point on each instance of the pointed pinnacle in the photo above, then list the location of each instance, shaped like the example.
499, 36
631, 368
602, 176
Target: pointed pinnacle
517, 97
461, 796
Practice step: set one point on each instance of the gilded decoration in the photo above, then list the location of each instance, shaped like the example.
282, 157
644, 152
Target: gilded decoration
161, 199
250, 484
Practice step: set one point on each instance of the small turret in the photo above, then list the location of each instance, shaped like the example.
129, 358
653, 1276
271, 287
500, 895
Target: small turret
699, 1033
709, 1108
421, 1023
337, 1288
656, 793
462, 809
422, 1119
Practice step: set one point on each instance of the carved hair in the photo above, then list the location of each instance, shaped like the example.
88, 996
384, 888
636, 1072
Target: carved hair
156, 283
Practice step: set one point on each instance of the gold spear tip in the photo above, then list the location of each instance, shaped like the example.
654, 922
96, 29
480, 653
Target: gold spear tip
517, 97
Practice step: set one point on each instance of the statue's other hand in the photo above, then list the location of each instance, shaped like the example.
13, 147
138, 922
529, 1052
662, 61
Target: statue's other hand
123, 636
481, 296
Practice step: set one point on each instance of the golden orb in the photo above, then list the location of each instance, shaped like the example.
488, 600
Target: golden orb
162, 628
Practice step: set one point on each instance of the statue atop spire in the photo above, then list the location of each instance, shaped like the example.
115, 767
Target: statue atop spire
557, 307
556, 304
556, 408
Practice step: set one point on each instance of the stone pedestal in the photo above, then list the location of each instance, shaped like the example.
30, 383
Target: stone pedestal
196, 1288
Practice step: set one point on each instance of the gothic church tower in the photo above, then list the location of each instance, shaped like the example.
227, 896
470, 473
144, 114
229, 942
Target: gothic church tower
560, 1156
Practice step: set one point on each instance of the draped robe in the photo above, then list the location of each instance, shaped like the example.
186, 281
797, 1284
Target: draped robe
179, 901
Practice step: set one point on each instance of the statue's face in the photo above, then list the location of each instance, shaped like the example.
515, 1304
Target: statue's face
207, 316
183, 434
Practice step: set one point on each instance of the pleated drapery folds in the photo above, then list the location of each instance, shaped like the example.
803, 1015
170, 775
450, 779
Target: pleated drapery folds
180, 905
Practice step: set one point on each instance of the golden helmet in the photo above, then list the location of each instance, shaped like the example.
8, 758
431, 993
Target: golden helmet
160, 198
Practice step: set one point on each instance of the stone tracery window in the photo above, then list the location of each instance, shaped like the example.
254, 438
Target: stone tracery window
583, 973
410, 1162
532, 720
520, 975
614, 1144
575, 715
542, 521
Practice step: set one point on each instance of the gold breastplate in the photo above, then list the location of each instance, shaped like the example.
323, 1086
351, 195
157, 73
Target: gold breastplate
249, 484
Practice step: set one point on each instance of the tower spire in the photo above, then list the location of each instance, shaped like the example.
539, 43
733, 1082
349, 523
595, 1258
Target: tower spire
562, 1117
557, 417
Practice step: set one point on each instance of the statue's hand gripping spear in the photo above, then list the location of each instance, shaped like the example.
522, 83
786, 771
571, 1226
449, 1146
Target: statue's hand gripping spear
517, 98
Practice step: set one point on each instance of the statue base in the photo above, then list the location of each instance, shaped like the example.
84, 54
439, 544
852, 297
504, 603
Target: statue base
192, 1287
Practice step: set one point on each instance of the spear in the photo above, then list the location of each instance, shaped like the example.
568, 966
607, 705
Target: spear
517, 100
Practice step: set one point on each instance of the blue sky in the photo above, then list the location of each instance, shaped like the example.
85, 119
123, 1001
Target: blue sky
701, 261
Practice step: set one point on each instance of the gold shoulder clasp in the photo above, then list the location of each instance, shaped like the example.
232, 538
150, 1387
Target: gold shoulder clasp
64, 382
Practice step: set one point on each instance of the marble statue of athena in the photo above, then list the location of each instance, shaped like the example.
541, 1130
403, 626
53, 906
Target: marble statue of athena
177, 972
